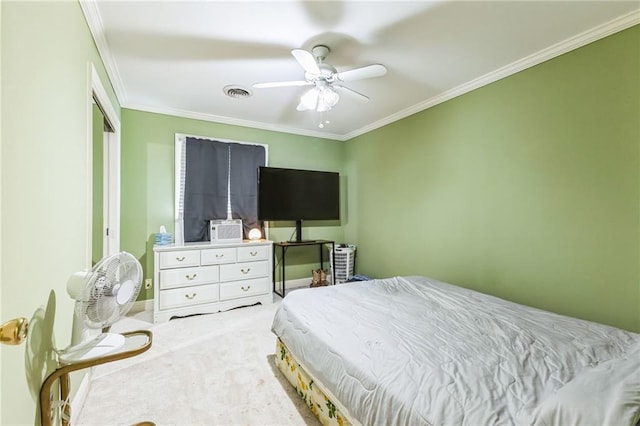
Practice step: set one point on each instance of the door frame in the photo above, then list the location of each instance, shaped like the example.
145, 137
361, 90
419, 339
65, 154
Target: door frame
111, 181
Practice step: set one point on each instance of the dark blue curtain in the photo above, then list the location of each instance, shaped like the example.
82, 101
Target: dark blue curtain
245, 160
205, 186
206, 192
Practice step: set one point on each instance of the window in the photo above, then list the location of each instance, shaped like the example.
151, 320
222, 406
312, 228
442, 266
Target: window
215, 179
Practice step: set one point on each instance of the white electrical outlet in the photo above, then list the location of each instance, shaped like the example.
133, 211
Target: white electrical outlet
148, 283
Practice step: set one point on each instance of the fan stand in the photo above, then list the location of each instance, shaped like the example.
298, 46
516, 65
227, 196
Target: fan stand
62, 374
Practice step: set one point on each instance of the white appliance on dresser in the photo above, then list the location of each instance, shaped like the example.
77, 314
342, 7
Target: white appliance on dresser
199, 278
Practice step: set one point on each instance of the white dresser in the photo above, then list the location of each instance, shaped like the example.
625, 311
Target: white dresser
198, 278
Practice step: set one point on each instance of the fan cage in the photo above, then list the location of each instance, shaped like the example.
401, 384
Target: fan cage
112, 279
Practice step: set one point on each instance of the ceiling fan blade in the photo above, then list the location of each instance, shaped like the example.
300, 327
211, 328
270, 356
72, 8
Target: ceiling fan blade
352, 92
306, 61
282, 84
302, 107
369, 71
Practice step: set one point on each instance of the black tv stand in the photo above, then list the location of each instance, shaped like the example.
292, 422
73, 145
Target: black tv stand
284, 245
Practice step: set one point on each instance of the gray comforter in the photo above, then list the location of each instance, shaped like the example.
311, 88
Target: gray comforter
411, 350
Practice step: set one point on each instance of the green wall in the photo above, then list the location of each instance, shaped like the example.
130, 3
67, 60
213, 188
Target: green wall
148, 146
46, 49
527, 188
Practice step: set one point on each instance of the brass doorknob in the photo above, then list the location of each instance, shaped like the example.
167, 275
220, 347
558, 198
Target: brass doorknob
14, 331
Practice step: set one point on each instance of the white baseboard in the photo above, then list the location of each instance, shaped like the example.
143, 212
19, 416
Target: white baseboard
141, 306
80, 397
299, 283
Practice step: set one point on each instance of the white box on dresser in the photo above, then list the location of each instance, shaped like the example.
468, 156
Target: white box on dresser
200, 278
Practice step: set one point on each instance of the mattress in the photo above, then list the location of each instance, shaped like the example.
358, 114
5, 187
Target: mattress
412, 350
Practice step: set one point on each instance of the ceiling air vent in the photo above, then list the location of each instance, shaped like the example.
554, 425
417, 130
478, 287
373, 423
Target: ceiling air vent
236, 92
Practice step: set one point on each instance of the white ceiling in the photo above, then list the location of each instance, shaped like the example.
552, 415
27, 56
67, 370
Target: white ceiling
175, 57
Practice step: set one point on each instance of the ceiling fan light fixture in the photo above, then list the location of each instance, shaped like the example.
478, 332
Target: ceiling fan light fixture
320, 99
327, 98
309, 101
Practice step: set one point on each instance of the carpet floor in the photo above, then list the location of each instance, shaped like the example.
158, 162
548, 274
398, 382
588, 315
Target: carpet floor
214, 369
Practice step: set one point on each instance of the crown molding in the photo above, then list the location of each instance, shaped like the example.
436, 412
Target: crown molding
233, 121
94, 21
616, 25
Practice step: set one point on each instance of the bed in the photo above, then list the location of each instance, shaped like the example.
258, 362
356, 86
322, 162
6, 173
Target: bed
415, 351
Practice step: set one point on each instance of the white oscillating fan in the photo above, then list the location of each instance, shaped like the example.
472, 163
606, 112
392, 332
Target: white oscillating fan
103, 296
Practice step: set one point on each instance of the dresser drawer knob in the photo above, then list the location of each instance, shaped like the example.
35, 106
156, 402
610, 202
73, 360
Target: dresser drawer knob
180, 259
253, 253
190, 277
245, 271
245, 289
190, 296
219, 256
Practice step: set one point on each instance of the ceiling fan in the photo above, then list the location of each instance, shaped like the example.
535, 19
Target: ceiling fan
325, 79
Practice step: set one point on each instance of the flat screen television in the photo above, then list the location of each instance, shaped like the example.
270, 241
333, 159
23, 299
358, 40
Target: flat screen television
297, 195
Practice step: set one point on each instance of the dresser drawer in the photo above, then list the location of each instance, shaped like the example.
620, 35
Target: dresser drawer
250, 253
244, 288
188, 296
241, 271
200, 277
179, 259
181, 277
218, 255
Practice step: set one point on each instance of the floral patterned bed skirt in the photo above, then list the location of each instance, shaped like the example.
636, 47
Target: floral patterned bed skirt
321, 406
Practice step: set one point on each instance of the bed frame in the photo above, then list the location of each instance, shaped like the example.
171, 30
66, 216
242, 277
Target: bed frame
326, 408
